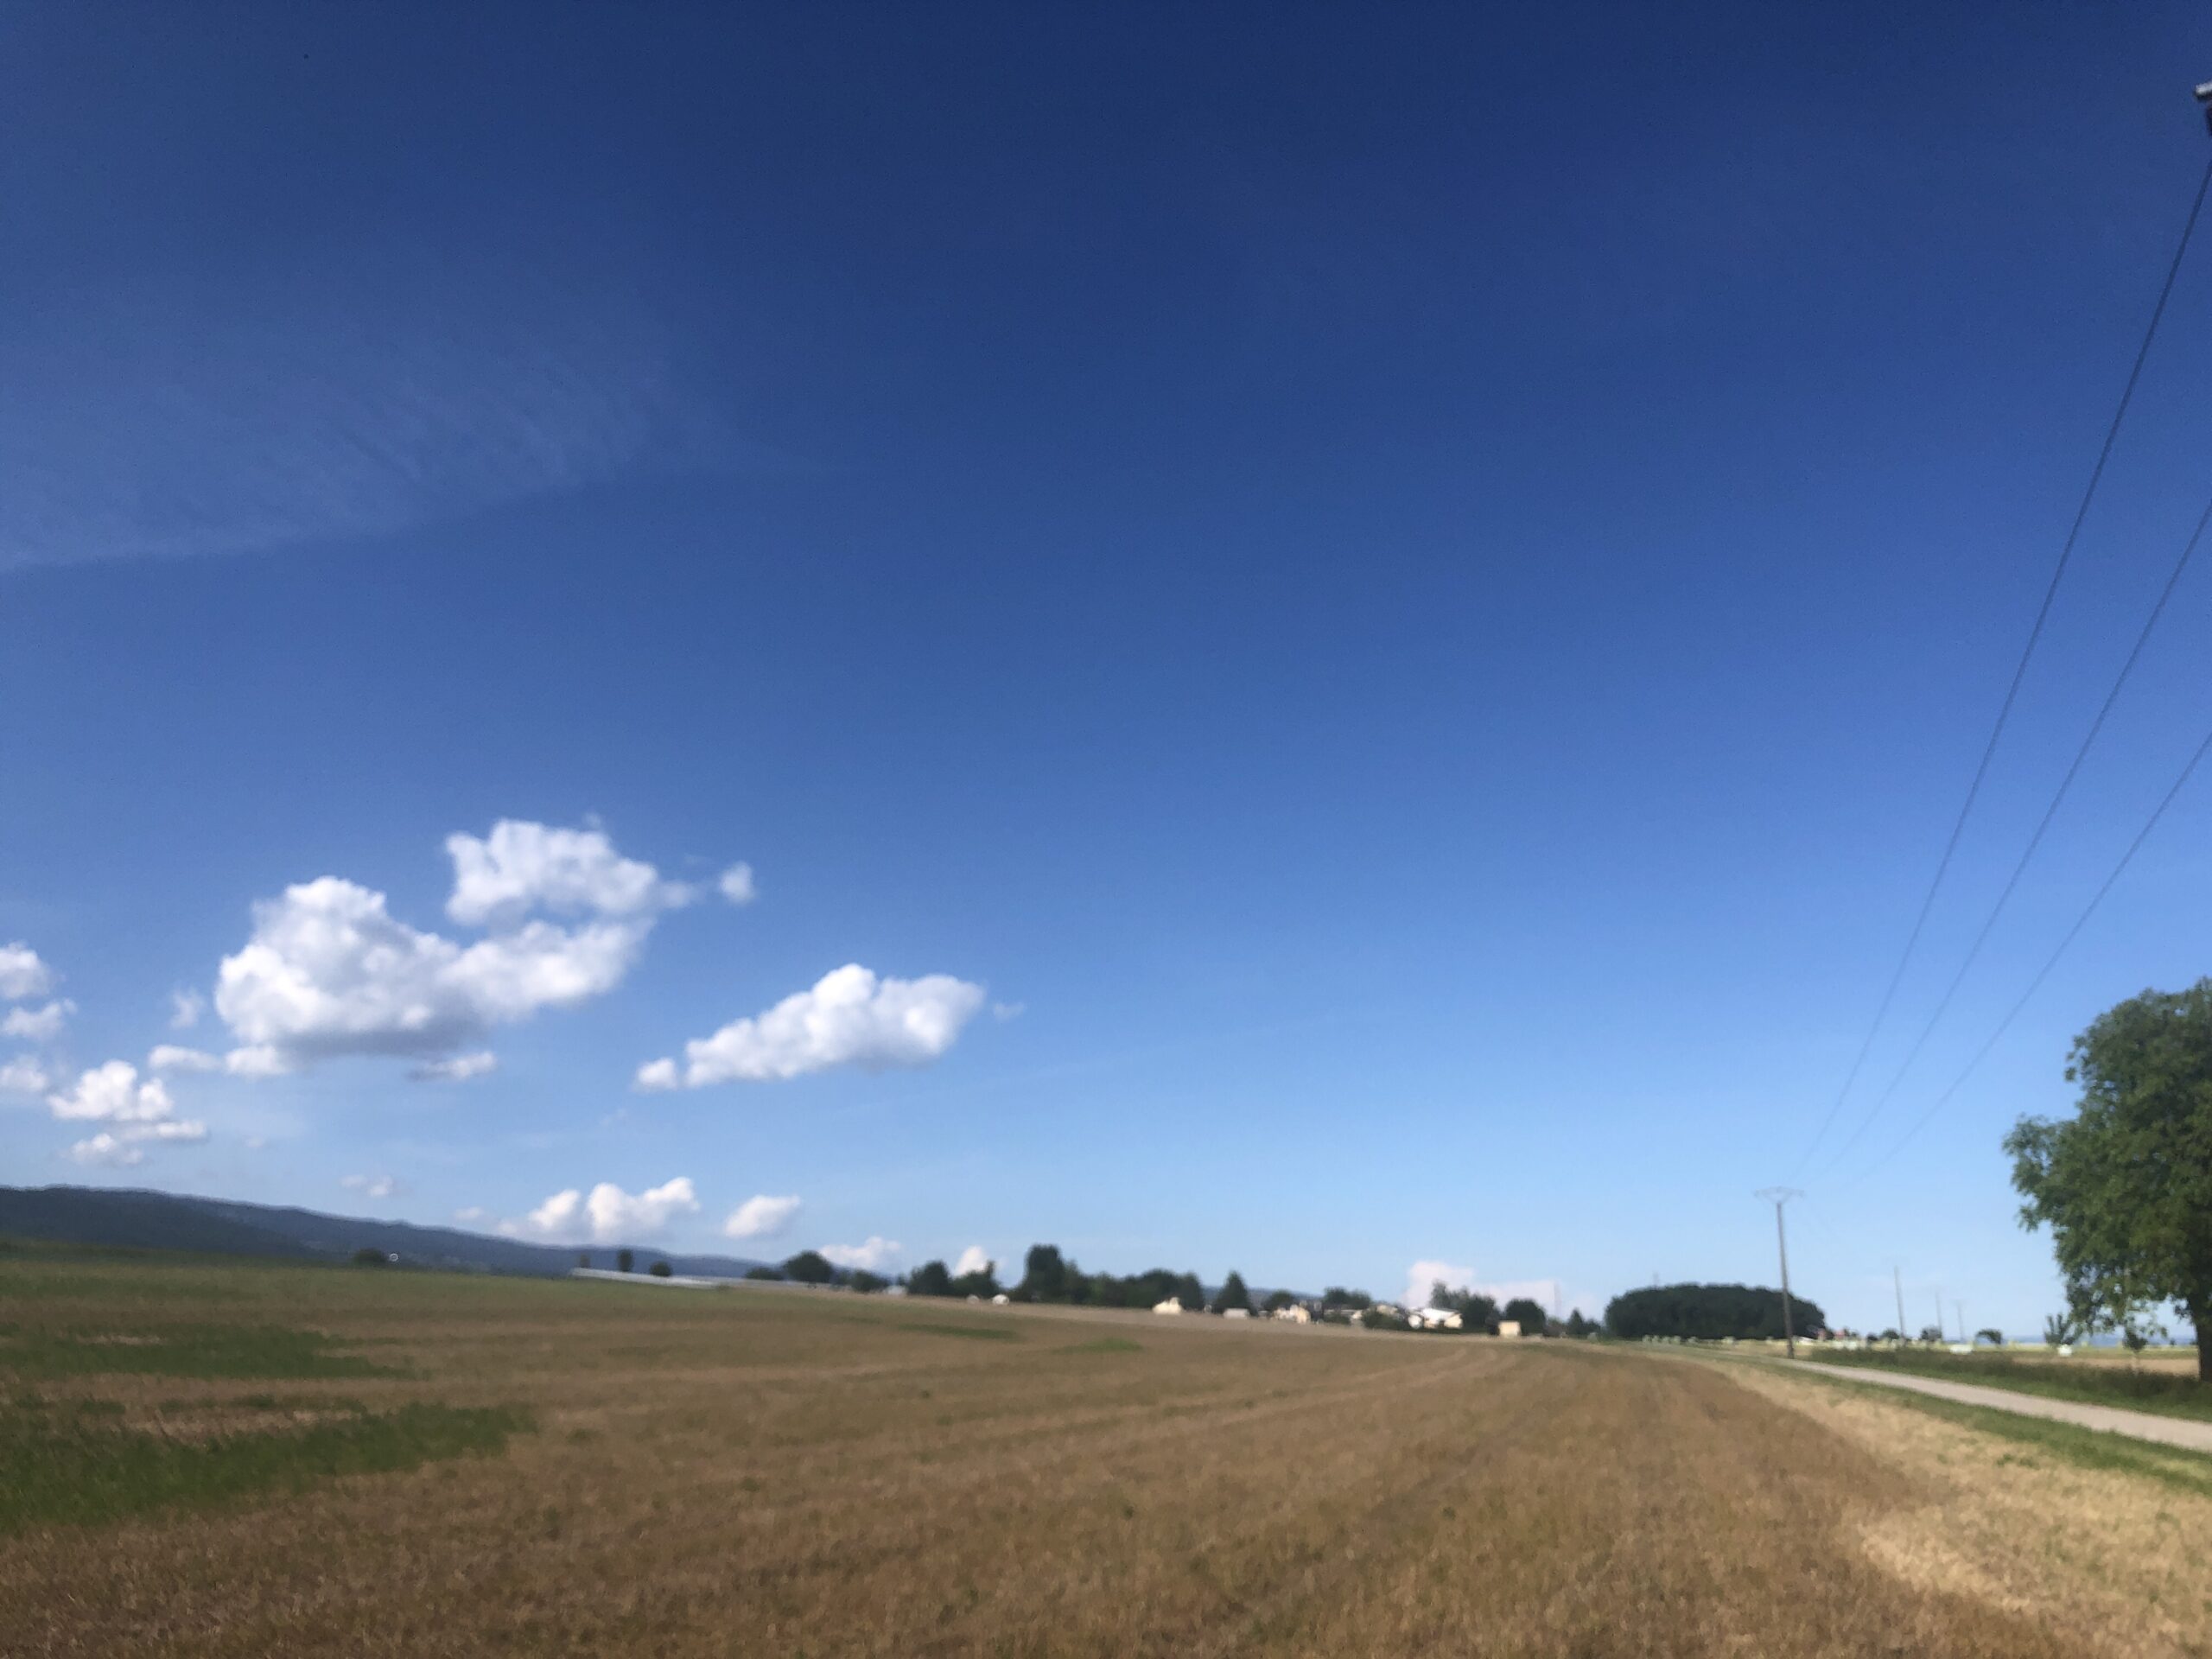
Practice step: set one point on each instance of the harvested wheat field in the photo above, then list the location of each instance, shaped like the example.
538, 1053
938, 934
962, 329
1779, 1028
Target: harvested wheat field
248, 1461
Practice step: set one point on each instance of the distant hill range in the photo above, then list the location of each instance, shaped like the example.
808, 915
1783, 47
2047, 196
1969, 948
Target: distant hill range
128, 1219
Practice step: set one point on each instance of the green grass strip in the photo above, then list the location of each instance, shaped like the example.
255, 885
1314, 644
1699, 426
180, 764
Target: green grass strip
201, 1351
65, 1467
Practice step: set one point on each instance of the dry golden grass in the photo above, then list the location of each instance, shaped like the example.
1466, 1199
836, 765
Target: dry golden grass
774, 1472
2123, 1562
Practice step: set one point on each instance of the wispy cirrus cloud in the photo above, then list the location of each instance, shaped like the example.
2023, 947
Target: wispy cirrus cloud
255, 410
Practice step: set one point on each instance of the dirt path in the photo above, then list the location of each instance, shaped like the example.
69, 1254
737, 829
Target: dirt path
2189, 1435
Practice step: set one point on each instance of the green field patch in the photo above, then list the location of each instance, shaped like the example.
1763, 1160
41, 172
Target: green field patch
975, 1332
63, 1466
2096, 1383
1105, 1346
198, 1351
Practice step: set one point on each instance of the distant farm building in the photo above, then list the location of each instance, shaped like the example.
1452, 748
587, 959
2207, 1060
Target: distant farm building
1435, 1318
1509, 1327
1296, 1313
1173, 1305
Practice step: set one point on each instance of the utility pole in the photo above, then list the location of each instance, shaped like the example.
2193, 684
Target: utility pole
1962, 1306
1896, 1277
1939, 1315
1778, 1196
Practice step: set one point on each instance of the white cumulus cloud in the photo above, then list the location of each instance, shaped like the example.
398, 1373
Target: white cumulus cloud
459, 1069
850, 1018
736, 884
374, 1186
760, 1217
872, 1256
608, 1214
138, 1111
184, 1009
521, 867
105, 1148
262, 1060
329, 971
471, 1212
21, 974
112, 1094
974, 1259
37, 1025
22, 1074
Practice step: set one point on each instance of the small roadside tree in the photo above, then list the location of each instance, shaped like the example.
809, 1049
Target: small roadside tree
868, 1283
810, 1267
1233, 1294
1278, 1300
2058, 1331
1990, 1334
2126, 1184
661, 1270
624, 1261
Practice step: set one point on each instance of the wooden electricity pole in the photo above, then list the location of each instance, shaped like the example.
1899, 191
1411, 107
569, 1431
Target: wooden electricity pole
1778, 1196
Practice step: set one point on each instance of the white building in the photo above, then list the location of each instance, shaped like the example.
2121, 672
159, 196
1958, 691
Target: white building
1173, 1305
1435, 1318
1295, 1314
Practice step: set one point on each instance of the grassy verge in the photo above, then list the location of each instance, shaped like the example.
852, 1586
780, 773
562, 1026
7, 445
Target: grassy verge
2190, 1471
2161, 1391
64, 1465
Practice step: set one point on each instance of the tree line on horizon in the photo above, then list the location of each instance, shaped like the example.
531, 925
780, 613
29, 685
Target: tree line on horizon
1709, 1313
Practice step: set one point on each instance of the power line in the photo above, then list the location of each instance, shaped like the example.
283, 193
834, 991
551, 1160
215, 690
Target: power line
2051, 812
2020, 668
2051, 962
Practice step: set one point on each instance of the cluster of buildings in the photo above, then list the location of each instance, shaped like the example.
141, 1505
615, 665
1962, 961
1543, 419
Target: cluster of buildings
1307, 1313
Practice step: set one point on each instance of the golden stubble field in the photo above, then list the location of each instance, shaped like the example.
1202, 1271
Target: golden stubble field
777, 1472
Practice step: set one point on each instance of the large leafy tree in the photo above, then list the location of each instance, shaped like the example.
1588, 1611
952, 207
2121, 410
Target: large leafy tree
1044, 1275
1531, 1313
931, 1279
810, 1267
1233, 1294
2126, 1184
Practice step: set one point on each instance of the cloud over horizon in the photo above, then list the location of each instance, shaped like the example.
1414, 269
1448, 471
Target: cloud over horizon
608, 1215
850, 1017
138, 1112
872, 1256
761, 1216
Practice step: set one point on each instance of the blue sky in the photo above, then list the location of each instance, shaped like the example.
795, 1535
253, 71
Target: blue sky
1369, 625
